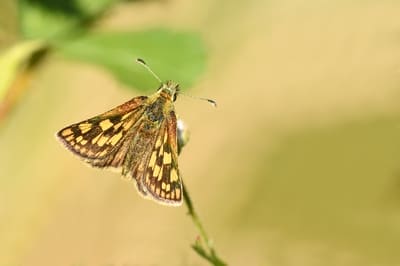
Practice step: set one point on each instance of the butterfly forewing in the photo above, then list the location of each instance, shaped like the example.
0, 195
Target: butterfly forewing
98, 137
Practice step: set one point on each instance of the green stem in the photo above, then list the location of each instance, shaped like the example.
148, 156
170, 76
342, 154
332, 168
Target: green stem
208, 252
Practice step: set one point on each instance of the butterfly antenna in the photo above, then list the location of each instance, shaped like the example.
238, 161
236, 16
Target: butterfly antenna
212, 102
143, 63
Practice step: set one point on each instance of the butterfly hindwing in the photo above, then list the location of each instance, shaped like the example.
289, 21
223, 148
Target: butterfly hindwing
96, 138
162, 179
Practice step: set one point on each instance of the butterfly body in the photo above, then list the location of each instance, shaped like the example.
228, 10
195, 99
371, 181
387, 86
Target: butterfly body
139, 139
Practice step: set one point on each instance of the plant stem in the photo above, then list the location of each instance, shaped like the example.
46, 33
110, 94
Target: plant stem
208, 252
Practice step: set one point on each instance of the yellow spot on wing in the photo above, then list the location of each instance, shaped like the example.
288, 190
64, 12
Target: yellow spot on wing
94, 140
153, 159
102, 141
101, 154
83, 142
174, 175
161, 150
105, 124
167, 158
85, 127
158, 143
126, 115
128, 124
163, 185
156, 170
114, 139
168, 187
178, 193
78, 139
66, 132
160, 175
116, 126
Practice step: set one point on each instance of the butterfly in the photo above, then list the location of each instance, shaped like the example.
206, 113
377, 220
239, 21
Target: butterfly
139, 139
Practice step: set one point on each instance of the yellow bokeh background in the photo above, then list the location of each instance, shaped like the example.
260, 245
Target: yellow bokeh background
298, 165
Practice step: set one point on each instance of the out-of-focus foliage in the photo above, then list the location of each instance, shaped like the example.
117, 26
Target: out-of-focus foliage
172, 55
65, 26
11, 61
53, 19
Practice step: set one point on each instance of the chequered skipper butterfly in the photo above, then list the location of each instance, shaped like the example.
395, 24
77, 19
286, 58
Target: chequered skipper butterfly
139, 138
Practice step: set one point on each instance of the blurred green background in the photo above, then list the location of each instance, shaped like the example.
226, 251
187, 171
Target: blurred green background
299, 164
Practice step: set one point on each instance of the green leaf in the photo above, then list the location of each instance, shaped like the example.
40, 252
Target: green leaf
49, 19
178, 56
13, 59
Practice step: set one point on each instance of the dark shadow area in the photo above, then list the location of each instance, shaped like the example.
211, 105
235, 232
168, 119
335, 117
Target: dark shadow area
70, 7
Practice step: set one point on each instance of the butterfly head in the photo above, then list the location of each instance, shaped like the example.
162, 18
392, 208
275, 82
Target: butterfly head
169, 89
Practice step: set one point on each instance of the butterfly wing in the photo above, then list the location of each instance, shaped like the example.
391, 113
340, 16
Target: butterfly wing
100, 140
161, 178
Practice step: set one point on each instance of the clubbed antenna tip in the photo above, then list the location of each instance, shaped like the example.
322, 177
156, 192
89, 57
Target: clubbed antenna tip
212, 102
143, 63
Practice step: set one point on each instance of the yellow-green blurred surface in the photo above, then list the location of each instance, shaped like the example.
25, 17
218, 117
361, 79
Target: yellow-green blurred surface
299, 164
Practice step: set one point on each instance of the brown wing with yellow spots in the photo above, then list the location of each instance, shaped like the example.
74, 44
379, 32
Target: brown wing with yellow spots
162, 179
99, 140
